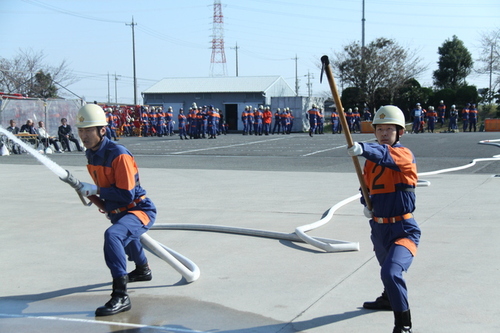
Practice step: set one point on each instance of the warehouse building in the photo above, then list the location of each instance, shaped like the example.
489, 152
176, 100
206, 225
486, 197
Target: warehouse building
229, 94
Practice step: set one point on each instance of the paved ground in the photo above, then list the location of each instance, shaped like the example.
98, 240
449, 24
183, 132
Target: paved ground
54, 275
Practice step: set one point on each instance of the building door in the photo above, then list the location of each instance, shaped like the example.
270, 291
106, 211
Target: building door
231, 116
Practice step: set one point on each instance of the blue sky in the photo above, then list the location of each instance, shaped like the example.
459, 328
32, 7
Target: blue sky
173, 38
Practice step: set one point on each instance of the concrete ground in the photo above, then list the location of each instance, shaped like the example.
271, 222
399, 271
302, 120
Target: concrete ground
54, 277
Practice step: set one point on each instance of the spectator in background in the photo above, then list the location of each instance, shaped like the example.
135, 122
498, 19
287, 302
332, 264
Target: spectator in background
15, 148
29, 127
66, 135
46, 139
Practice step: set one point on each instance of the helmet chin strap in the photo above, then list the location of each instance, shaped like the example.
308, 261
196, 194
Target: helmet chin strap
397, 139
100, 138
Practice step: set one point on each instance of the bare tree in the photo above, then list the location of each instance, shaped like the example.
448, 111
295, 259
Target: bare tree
382, 65
27, 74
490, 60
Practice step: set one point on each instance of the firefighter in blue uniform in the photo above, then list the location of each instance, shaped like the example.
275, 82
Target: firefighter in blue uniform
116, 183
472, 117
160, 122
258, 116
277, 121
312, 115
465, 117
417, 118
441, 113
182, 119
335, 121
452, 124
431, 116
169, 121
390, 173
356, 121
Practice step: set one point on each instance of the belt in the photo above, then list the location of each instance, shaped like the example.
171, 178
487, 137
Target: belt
129, 206
384, 220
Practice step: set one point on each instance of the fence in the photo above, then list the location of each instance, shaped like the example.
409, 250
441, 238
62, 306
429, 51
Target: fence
49, 111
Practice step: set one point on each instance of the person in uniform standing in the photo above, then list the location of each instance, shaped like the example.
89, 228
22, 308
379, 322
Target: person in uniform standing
417, 118
312, 115
465, 117
335, 121
472, 117
441, 113
390, 174
277, 121
431, 119
181, 118
267, 118
452, 124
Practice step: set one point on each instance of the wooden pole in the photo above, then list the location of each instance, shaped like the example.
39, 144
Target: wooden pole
336, 97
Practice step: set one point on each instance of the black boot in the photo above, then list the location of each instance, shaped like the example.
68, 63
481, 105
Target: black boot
381, 303
402, 322
119, 301
140, 273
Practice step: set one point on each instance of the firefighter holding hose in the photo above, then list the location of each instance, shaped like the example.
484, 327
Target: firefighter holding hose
117, 186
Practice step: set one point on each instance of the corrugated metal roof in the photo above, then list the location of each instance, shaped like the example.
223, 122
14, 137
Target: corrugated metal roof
216, 84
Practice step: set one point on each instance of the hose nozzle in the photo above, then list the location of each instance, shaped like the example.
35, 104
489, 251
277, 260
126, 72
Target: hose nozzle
75, 183
71, 180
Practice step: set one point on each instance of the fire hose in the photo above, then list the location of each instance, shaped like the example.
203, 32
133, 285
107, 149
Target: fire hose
190, 270
181, 264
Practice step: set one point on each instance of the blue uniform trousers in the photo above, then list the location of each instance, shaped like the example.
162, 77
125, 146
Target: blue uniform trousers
394, 259
122, 239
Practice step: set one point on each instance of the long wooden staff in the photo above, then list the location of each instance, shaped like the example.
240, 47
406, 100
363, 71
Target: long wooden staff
336, 97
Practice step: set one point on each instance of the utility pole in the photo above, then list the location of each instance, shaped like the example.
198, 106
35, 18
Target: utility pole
363, 27
109, 95
363, 63
309, 84
116, 90
236, 48
296, 76
133, 59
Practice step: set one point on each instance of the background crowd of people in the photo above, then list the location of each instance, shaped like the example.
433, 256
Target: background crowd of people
426, 119
208, 122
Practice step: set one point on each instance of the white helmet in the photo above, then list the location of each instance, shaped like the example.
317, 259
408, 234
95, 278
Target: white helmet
91, 115
389, 114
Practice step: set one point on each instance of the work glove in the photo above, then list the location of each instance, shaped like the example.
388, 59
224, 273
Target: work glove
87, 189
368, 213
355, 150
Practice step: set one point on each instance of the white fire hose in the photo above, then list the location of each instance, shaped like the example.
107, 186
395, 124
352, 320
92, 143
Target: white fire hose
190, 270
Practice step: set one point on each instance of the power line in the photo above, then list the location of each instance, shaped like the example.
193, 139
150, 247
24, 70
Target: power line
68, 12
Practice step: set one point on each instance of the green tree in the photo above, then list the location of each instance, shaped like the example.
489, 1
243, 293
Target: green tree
44, 86
352, 97
378, 70
455, 64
